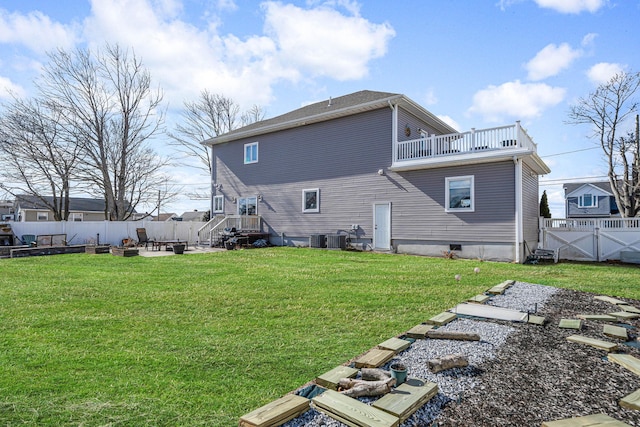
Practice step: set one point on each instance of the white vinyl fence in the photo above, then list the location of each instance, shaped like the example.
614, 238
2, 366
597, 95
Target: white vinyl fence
590, 239
110, 232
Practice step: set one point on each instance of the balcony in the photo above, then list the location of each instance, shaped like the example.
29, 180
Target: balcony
475, 146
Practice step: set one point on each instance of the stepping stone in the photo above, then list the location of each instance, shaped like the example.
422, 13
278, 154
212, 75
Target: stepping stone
395, 344
330, 379
490, 312
629, 308
596, 420
609, 299
599, 344
407, 398
479, 299
598, 317
352, 412
625, 315
442, 318
374, 358
277, 412
615, 332
570, 323
419, 331
626, 361
536, 320
499, 289
631, 401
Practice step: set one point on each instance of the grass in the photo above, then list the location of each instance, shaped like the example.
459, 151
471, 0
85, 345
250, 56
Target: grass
203, 339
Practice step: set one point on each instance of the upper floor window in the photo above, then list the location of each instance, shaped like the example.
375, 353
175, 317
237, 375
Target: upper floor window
43, 216
588, 201
311, 200
251, 153
459, 196
218, 204
76, 216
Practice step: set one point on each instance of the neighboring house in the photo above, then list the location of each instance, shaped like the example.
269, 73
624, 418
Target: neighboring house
193, 216
31, 208
6, 210
384, 170
165, 217
590, 200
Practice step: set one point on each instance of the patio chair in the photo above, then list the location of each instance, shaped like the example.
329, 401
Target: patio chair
29, 239
143, 238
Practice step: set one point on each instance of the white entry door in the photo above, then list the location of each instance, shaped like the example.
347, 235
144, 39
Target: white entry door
382, 226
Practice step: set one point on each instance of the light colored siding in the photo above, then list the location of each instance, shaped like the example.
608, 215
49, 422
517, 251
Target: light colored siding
530, 207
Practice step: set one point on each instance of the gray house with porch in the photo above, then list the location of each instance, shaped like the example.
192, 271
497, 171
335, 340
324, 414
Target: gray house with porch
382, 170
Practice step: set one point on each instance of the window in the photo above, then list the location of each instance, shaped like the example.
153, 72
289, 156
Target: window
76, 217
248, 206
311, 200
588, 201
251, 153
218, 204
459, 194
43, 216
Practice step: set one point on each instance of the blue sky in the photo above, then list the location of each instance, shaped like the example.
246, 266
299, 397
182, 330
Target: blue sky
473, 63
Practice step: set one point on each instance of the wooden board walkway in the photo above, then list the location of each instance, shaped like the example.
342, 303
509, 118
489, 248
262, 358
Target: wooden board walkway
615, 332
490, 312
598, 317
631, 401
536, 320
501, 288
479, 299
407, 398
570, 323
277, 412
330, 379
629, 308
395, 344
418, 332
374, 358
596, 420
442, 318
352, 412
609, 299
626, 361
599, 344
625, 315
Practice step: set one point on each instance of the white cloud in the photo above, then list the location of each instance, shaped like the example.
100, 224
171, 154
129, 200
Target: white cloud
603, 71
448, 120
9, 88
572, 6
515, 100
551, 60
35, 31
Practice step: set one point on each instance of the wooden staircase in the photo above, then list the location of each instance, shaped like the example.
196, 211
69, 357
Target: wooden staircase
211, 234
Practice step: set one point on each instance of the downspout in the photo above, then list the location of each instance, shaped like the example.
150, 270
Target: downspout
518, 208
394, 129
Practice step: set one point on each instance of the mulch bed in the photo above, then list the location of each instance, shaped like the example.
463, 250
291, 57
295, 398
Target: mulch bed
539, 376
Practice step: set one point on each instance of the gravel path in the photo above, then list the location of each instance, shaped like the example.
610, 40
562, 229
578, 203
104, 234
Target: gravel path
519, 374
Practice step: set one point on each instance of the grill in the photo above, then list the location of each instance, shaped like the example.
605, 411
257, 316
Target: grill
6, 235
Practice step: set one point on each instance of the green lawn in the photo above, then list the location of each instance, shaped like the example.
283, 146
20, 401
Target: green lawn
203, 339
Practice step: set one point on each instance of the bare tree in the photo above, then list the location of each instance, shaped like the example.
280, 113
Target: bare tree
210, 115
39, 158
110, 109
608, 109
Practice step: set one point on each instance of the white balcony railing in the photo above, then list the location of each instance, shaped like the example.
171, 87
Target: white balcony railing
475, 141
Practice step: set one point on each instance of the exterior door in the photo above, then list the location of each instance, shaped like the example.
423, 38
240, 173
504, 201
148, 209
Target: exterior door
382, 226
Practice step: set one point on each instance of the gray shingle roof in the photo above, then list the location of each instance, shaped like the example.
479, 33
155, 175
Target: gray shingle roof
77, 204
570, 187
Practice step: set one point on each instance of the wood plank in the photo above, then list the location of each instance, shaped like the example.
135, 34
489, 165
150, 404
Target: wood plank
330, 379
595, 420
277, 412
395, 344
629, 308
479, 299
352, 412
570, 323
374, 358
490, 312
609, 299
625, 315
501, 288
419, 331
536, 320
627, 361
599, 344
598, 317
452, 335
631, 401
615, 332
442, 318
407, 398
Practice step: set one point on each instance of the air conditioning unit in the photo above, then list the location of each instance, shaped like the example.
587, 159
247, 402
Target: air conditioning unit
317, 241
336, 241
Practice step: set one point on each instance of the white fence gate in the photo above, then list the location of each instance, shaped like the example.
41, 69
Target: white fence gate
110, 232
590, 239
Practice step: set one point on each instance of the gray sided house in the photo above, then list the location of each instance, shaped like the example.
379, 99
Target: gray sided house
31, 208
590, 200
380, 168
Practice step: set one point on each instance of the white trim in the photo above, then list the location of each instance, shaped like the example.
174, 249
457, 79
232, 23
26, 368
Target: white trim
244, 153
304, 200
221, 209
75, 215
45, 213
387, 245
245, 198
594, 200
518, 209
472, 201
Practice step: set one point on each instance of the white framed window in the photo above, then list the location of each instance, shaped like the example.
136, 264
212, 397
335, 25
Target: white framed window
588, 201
76, 217
248, 205
311, 200
251, 153
459, 194
43, 216
218, 204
